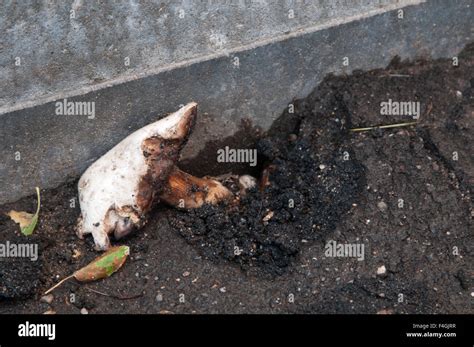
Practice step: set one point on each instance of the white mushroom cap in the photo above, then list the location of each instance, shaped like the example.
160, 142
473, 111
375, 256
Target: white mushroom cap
108, 189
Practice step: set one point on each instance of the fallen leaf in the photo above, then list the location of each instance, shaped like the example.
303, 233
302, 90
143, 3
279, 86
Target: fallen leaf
21, 217
27, 221
101, 267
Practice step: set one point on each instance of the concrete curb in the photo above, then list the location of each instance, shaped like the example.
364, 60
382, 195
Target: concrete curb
41, 148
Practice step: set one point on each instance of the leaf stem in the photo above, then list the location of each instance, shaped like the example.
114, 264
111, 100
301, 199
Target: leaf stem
58, 284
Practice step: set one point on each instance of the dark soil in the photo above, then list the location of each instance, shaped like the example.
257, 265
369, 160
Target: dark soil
403, 193
312, 185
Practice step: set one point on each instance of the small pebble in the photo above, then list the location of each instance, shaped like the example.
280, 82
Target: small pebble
222, 289
186, 273
84, 311
382, 270
159, 297
322, 167
382, 206
49, 312
247, 182
292, 137
47, 299
268, 216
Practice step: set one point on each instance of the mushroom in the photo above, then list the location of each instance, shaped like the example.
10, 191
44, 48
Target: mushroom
118, 190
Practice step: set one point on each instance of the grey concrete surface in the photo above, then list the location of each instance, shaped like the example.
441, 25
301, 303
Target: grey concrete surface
63, 46
268, 76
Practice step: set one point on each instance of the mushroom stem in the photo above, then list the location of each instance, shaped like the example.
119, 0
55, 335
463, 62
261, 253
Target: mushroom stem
183, 190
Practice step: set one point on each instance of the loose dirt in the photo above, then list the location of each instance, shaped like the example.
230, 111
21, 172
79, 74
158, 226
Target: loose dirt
403, 193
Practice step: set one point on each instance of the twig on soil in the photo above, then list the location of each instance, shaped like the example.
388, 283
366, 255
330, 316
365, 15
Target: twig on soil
58, 284
397, 125
115, 296
395, 75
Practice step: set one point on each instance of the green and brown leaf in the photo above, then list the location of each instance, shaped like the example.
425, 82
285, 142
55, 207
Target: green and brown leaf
27, 221
101, 267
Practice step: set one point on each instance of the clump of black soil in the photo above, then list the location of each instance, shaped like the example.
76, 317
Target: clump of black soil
310, 180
